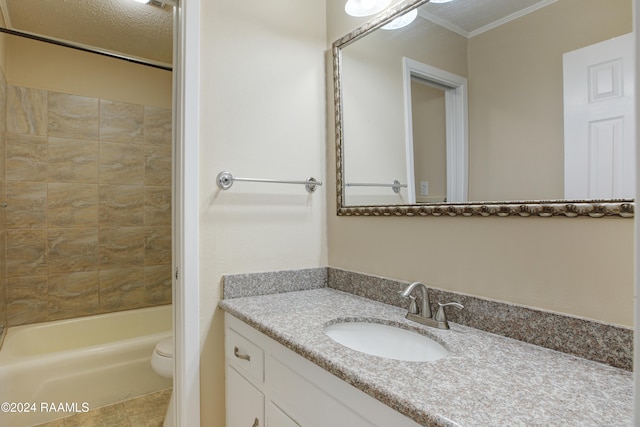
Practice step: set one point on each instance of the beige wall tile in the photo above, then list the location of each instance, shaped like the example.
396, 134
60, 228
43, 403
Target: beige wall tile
26, 111
3, 254
73, 160
72, 205
73, 116
157, 206
3, 208
26, 300
73, 294
3, 150
157, 247
121, 289
72, 250
26, 253
157, 126
121, 164
121, 122
26, 204
84, 235
3, 103
121, 205
157, 165
3, 301
3, 233
157, 285
121, 247
26, 157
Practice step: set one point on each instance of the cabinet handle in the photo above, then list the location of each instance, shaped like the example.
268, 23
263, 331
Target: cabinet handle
256, 423
236, 353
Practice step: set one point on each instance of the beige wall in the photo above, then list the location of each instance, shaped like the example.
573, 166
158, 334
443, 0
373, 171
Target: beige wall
262, 115
429, 141
574, 266
515, 96
45, 66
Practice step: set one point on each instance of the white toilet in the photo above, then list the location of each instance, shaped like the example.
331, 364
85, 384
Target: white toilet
162, 364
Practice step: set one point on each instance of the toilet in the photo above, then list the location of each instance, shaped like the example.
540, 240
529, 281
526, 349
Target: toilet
162, 364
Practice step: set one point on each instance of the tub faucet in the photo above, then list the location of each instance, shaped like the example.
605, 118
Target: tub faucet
423, 315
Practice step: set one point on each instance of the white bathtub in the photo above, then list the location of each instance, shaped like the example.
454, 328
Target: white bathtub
55, 369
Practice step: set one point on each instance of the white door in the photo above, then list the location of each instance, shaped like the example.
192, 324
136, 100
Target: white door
599, 121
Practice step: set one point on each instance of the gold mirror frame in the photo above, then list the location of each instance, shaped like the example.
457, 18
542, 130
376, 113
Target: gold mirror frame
542, 208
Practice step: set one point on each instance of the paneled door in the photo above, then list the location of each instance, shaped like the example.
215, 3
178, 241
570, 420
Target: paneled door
599, 120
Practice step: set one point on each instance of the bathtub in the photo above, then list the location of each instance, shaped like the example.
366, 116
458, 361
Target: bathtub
56, 369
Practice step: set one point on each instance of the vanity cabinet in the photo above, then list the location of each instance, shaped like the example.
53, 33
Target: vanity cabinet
269, 385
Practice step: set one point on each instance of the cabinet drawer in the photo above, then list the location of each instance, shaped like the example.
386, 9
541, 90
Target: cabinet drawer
245, 355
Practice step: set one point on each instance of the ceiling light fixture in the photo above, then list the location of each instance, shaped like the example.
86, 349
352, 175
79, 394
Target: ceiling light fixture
143, 1
402, 21
365, 7
439, 1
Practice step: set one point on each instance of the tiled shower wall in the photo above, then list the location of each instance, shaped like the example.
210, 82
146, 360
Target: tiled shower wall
3, 234
88, 220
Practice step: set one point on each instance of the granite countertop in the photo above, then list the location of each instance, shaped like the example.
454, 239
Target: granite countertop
486, 380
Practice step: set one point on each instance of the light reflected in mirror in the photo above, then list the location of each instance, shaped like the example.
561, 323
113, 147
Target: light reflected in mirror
521, 135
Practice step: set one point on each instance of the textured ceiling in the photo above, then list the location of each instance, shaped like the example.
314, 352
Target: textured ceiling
471, 17
145, 31
121, 26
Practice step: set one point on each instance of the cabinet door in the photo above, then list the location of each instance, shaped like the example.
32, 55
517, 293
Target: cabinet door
245, 403
278, 418
311, 397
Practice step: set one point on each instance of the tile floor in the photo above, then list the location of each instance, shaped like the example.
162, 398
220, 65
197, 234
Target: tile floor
144, 411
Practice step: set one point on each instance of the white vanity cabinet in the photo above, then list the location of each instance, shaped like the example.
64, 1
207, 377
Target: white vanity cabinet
269, 385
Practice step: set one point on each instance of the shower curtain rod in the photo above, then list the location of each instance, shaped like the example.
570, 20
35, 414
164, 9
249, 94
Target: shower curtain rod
84, 49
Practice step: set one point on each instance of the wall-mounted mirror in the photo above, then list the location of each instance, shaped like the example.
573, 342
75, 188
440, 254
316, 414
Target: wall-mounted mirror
496, 107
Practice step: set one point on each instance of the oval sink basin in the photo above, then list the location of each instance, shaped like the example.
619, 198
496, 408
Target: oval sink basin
386, 341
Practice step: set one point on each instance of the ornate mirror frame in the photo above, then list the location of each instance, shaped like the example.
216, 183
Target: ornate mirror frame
542, 208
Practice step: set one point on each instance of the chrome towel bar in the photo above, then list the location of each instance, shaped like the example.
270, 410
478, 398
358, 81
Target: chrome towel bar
225, 180
395, 186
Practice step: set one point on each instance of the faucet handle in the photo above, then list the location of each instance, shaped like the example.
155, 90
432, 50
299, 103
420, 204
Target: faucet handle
413, 306
441, 316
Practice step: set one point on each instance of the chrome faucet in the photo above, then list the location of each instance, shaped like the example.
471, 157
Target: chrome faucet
425, 306
423, 315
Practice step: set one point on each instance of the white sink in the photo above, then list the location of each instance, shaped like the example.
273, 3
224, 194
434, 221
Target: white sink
386, 341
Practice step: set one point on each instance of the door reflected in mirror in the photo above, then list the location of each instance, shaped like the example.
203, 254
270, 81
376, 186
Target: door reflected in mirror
429, 142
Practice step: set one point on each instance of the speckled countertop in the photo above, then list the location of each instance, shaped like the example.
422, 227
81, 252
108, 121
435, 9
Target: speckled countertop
487, 380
